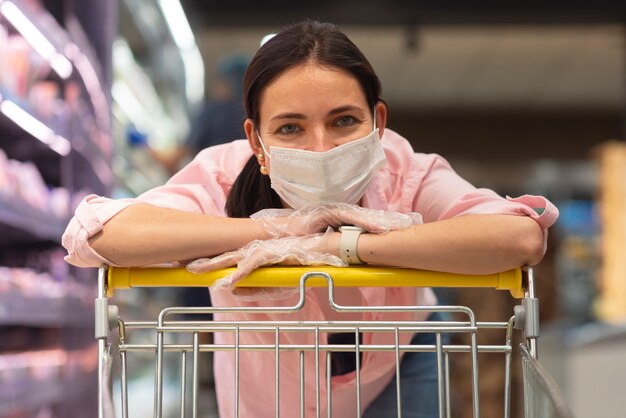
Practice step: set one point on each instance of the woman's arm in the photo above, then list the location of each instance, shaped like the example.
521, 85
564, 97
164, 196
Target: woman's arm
143, 234
470, 244
181, 220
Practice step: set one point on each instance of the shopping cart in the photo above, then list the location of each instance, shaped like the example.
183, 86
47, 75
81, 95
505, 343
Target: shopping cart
541, 396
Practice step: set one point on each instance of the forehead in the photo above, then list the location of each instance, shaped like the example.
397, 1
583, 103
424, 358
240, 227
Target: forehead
309, 88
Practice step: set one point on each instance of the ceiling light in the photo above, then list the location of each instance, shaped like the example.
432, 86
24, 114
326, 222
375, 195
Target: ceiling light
178, 24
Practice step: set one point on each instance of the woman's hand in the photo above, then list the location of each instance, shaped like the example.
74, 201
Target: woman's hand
314, 249
314, 219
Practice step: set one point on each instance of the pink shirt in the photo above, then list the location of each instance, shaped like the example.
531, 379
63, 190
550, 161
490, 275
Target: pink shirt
411, 182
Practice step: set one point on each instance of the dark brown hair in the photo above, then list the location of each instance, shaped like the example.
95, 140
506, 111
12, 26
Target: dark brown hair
307, 41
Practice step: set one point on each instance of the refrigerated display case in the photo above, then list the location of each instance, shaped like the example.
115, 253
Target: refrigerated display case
56, 148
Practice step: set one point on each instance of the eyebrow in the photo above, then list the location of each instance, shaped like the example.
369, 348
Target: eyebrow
345, 108
293, 115
289, 116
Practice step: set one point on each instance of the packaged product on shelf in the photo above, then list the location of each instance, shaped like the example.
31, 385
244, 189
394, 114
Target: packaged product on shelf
60, 202
38, 298
22, 180
75, 115
5, 283
35, 285
55, 264
34, 5
4, 36
15, 66
6, 183
30, 186
33, 366
22, 67
42, 373
46, 105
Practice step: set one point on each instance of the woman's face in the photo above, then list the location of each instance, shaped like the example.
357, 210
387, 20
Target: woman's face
312, 108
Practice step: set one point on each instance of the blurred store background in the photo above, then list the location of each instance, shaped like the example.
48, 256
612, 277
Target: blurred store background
101, 97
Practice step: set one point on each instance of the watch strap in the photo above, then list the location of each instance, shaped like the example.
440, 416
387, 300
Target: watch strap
348, 244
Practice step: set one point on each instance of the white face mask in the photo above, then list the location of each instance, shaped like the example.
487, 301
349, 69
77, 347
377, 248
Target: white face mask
341, 174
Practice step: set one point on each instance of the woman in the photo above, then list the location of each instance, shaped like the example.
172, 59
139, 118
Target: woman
317, 146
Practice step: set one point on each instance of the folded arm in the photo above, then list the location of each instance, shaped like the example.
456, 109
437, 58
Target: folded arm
143, 234
130, 233
471, 244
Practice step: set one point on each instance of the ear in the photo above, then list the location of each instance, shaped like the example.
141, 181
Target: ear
381, 117
253, 138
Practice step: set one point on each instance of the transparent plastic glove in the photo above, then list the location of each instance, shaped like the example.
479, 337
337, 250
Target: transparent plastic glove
307, 250
316, 218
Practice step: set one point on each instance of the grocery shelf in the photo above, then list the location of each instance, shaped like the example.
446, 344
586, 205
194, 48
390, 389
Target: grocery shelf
17, 117
43, 311
32, 298
26, 397
41, 139
55, 131
55, 45
14, 113
41, 32
18, 214
58, 47
35, 379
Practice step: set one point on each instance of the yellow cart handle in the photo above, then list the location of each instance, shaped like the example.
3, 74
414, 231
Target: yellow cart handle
283, 276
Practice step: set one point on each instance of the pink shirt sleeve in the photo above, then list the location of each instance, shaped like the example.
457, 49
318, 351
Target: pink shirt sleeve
90, 216
441, 194
425, 183
201, 187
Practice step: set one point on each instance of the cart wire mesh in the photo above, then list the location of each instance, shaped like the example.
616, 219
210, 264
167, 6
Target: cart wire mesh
187, 342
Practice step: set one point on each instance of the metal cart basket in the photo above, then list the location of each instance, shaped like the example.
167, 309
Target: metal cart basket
541, 396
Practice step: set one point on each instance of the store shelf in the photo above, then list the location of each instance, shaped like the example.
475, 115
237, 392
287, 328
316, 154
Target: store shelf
34, 140
55, 130
17, 214
19, 120
62, 53
30, 397
79, 126
42, 311
28, 298
41, 31
35, 379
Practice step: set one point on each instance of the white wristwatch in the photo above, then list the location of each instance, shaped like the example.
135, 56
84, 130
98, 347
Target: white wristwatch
348, 243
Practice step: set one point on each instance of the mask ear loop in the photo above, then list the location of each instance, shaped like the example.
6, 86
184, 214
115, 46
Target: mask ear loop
374, 120
262, 145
